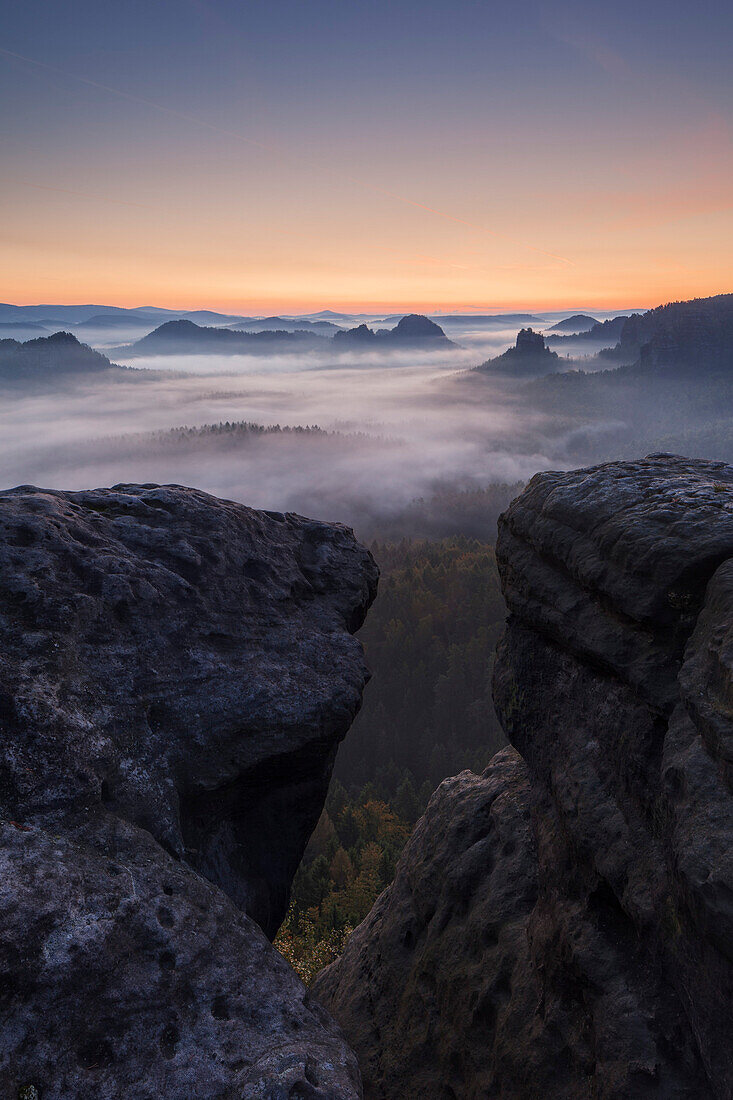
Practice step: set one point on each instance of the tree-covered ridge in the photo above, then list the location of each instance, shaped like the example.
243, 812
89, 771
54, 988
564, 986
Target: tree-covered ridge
235, 431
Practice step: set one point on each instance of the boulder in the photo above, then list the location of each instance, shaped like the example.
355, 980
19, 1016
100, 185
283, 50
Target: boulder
176, 673
614, 682
427, 989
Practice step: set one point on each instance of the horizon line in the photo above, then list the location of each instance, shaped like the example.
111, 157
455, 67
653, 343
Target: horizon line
355, 309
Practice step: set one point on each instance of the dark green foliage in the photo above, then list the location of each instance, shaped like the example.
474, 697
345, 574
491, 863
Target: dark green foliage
429, 641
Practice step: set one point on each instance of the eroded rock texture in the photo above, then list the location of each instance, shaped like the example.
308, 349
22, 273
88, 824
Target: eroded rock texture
614, 682
175, 675
432, 985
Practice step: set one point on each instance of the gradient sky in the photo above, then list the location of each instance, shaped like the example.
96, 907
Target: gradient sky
280, 155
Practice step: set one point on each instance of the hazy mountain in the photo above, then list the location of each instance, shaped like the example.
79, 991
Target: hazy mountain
19, 330
183, 337
414, 330
116, 321
102, 315
602, 334
286, 324
529, 356
330, 315
48, 357
65, 315
159, 311
500, 319
208, 316
362, 335
579, 323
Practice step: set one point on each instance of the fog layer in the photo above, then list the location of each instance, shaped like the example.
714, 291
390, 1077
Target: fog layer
408, 443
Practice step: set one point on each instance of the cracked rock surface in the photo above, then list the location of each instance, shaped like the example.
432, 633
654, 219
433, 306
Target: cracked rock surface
610, 969
176, 672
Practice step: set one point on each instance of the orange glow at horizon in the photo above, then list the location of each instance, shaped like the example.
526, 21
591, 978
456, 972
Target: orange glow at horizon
176, 210
133, 282
264, 246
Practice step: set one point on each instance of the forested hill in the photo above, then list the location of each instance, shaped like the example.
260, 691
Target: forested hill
691, 339
46, 358
187, 338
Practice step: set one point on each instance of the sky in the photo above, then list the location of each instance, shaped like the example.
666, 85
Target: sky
284, 156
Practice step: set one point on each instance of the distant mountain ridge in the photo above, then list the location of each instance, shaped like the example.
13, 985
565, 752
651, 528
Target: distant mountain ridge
488, 318
287, 324
604, 334
183, 337
72, 315
578, 323
414, 330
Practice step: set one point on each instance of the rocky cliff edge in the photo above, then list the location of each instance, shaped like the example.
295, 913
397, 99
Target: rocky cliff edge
176, 673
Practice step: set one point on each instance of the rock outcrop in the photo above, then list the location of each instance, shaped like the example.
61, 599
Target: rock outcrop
175, 675
528, 357
431, 987
418, 330
606, 964
359, 335
412, 331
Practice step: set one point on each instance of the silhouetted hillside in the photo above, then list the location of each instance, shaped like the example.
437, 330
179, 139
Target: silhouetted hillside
361, 335
48, 357
529, 356
579, 323
692, 338
414, 330
286, 324
603, 334
183, 337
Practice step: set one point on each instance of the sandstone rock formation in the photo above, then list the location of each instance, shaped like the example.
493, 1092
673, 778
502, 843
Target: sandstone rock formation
600, 962
423, 987
175, 675
412, 331
528, 357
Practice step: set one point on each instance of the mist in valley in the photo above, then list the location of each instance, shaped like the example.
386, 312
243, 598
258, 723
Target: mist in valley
413, 442
388, 434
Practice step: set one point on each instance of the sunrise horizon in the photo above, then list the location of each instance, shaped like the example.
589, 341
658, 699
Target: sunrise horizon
449, 160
